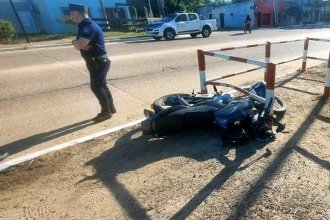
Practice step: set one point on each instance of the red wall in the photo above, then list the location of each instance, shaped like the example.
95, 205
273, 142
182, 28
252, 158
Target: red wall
267, 7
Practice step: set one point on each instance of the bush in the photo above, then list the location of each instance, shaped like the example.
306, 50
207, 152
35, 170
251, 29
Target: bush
7, 31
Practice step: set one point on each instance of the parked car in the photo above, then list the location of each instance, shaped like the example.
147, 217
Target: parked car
181, 23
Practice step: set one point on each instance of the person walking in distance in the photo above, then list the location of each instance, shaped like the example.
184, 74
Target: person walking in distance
247, 24
90, 42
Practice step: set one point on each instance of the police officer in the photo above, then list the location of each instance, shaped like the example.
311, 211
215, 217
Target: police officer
90, 43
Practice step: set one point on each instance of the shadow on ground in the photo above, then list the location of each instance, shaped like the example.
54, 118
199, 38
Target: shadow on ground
292, 145
129, 154
25, 143
133, 151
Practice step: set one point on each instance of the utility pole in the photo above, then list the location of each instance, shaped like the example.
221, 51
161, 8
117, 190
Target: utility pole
151, 14
103, 10
275, 13
161, 7
107, 27
20, 22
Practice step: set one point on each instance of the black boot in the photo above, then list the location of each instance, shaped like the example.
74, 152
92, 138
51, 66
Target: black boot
105, 114
112, 108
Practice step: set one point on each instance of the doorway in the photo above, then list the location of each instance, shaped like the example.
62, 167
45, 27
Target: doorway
222, 20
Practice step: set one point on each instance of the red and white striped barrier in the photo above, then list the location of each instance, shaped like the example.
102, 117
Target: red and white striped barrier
202, 70
316, 58
287, 41
252, 45
270, 68
318, 39
270, 83
267, 57
268, 51
304, 62
236, 47
327, 80
288, 61
233, 58
305, 57
233, 74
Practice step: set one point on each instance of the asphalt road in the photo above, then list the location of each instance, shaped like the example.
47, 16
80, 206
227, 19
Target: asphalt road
45, 97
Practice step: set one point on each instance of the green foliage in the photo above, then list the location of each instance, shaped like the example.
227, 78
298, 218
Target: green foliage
184, 5
171, 6
7, 31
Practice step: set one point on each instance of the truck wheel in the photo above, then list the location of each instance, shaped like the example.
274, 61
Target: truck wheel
206, 31
169, 34
157, 38
193, 35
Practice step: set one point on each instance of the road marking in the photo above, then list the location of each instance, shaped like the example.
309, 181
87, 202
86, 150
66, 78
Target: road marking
5, 165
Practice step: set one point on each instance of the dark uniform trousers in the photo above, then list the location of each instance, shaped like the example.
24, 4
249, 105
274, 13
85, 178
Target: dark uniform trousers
98, 69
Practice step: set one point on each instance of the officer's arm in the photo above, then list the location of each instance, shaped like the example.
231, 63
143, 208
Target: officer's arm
81, 43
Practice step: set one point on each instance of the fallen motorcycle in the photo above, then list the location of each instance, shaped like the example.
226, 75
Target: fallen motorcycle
242, 118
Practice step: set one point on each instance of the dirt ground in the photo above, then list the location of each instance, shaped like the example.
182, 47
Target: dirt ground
188, 175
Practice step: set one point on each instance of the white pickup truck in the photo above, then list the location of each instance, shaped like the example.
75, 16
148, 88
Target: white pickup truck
181, 23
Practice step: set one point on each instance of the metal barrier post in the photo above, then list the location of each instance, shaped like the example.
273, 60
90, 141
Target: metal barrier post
267, 58
303, 68
327, 80
270, 87
202, 72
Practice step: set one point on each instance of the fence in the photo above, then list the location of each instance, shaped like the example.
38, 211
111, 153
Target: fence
304, 63
267, 56
270, 76
136, 25
267, 64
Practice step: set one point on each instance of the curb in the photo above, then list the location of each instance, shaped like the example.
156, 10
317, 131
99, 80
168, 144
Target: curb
319, 25
7, 164
66, 44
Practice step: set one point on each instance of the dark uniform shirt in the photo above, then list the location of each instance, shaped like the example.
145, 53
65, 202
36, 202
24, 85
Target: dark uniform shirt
90, 30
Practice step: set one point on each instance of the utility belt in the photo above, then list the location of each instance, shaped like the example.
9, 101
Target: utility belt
96, 63
98, 58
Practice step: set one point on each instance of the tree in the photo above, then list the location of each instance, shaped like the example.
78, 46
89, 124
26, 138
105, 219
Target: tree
140, 4
184, 5
7, 31
171, 6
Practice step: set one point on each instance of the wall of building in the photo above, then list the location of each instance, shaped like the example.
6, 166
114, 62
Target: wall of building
23, 9
52, 11
234, 14
206, 11
45, 15
264, 12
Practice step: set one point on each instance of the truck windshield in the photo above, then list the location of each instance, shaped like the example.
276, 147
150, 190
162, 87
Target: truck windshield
169, 18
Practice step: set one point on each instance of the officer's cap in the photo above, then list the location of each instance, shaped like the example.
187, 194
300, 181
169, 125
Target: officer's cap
78, 7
